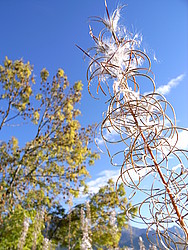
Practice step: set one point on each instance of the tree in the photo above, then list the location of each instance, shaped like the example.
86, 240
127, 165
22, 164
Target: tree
109, 209
49, 168
106, 218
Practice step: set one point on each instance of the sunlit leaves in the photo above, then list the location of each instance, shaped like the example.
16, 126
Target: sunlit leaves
36, 117
104, 233
60, 73
12, 226
103, 204
78, 86
38, 96
44, 74
16, 84
52, 165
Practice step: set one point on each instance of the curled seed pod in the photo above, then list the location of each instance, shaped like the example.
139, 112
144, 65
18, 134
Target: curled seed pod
144, 126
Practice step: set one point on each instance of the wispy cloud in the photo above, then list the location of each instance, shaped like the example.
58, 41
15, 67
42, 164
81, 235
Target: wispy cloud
99, 141
102, 179
109, 134
165, 89
182, 143
183, 139
104, 176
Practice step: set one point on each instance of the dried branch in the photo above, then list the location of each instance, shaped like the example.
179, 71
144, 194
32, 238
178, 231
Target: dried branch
144, 125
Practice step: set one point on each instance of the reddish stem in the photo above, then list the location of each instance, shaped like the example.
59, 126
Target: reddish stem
180, 218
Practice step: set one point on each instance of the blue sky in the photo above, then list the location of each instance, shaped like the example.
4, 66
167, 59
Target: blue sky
45, 33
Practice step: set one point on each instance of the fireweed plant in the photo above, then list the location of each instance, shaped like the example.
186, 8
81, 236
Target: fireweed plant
144, 125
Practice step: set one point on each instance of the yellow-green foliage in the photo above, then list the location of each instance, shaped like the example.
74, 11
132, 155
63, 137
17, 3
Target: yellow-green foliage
104, 235
54, 161
16, 83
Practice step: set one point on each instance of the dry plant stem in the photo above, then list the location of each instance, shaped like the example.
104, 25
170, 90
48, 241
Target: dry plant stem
142, 120
180, 218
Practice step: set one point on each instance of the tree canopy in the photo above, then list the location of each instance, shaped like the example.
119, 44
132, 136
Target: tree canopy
106, 216
40, 176
50, 167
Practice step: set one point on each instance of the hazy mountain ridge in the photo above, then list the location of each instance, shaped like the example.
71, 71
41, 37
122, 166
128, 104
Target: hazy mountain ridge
140, 232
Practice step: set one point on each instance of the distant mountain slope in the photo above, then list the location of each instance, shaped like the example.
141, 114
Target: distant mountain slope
137, 232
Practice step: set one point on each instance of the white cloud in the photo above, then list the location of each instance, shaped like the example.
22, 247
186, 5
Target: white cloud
104, 176
182, 142
109, 134
99, 141
183, 139
165, 89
